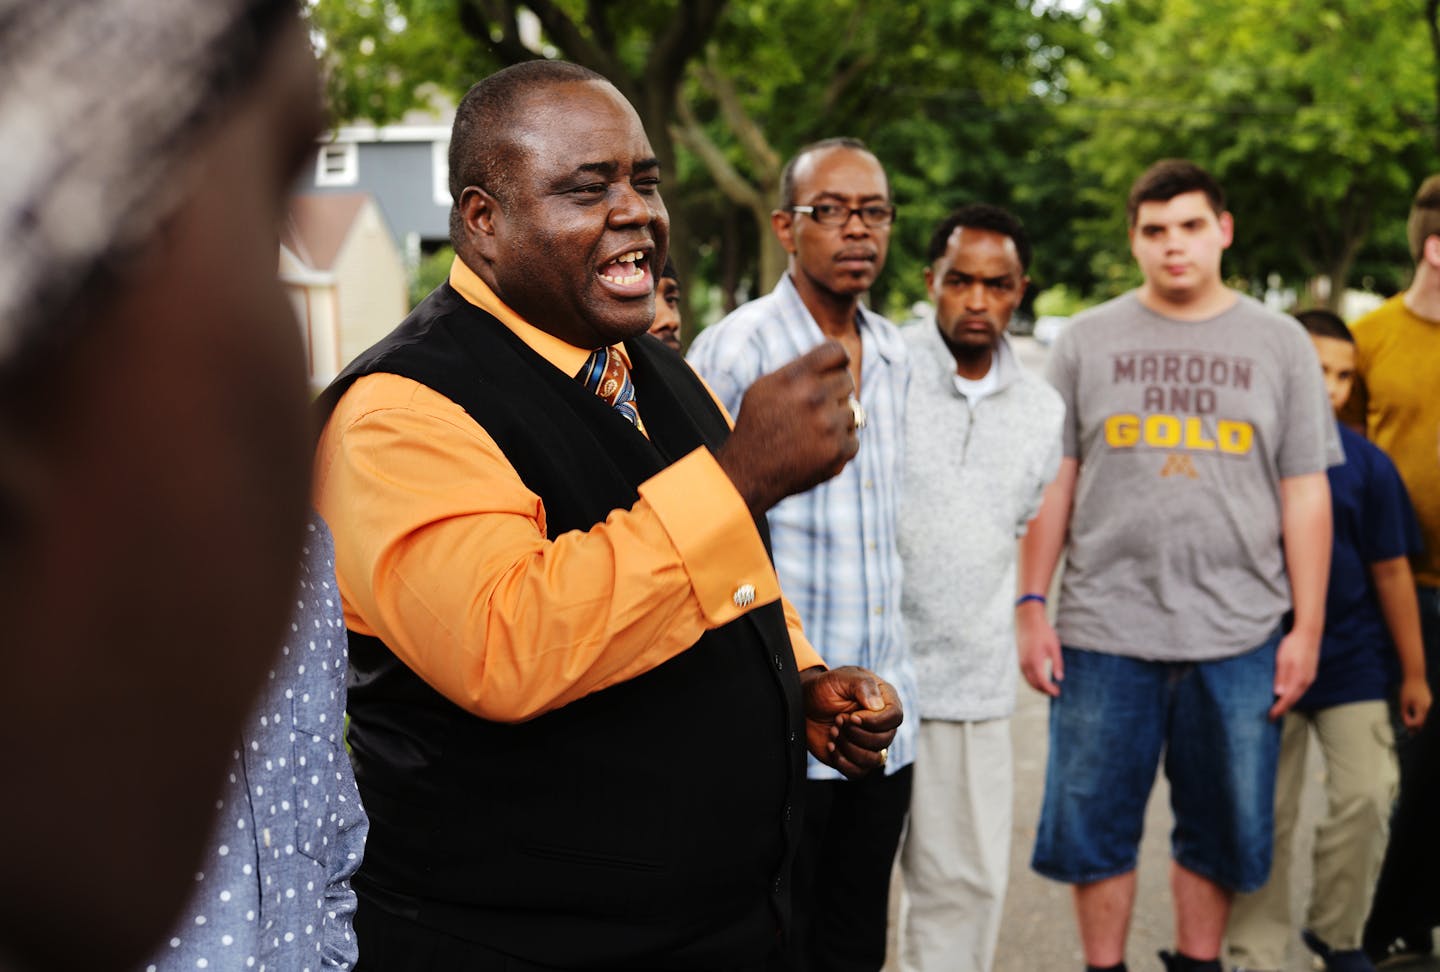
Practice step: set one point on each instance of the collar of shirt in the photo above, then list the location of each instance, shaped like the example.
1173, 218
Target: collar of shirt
567, 357
878, 334
1004, 366
975, 389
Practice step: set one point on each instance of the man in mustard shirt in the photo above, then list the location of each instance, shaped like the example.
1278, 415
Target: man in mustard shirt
579, 705
1395, 401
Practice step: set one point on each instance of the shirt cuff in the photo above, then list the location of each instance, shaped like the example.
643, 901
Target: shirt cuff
712, 530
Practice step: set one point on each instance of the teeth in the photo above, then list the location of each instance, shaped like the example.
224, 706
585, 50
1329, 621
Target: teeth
638, 274
629, 278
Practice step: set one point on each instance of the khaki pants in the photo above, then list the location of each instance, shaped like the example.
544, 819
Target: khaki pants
955, 858
1358, 747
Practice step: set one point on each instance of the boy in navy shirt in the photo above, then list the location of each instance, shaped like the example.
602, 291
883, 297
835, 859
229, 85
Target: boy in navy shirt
1371, 622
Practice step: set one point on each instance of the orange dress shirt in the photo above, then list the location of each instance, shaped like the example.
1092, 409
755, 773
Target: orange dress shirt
441, 551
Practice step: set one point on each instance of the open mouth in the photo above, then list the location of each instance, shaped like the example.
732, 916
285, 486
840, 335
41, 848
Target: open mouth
628, 273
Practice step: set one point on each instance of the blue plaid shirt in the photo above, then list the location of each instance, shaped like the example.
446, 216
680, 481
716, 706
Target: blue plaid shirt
835, 546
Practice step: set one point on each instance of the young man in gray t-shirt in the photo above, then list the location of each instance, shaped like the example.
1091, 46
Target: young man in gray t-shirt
1195, 504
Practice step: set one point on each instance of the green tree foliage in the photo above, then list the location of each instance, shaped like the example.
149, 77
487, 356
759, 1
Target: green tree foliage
955, 97
1316, 115
432, 270
382, 55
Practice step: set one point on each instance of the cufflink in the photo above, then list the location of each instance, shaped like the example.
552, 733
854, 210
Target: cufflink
744, 595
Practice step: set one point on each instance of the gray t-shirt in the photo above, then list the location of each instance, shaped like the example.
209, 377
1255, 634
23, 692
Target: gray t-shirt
1183, 430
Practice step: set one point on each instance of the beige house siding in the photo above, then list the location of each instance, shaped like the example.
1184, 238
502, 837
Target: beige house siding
370, 284
344, 277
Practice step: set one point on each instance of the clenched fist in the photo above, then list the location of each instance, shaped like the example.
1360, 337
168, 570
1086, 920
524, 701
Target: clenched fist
795, 429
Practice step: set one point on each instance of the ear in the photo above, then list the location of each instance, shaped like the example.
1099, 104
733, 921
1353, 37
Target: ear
1020, 291
479, 218
782, 221
1227, 230
930, 283
1430, 250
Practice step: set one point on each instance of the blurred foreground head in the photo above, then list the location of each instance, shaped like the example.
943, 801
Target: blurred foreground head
153, 443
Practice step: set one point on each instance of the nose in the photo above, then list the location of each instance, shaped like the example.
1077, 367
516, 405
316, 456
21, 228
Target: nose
975, 295
854, 225
630, 208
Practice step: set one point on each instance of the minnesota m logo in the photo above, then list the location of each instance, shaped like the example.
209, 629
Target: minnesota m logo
1179, 464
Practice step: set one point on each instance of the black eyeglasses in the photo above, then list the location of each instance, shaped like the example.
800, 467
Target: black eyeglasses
874, 215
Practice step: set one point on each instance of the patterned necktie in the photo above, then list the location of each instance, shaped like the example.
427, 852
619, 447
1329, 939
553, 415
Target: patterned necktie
606, 374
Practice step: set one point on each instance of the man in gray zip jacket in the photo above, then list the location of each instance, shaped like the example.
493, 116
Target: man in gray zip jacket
983, 439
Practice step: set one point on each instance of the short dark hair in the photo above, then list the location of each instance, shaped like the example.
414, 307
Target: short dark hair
481, 152
787, 175
981, 216
1424, 221
1324, 323
669, 270
1169, 178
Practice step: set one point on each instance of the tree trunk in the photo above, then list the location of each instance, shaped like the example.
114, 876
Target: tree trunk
773, 258
1432, 22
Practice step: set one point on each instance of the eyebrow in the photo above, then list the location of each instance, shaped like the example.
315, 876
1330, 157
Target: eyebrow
610, 168
998, 278
830, 194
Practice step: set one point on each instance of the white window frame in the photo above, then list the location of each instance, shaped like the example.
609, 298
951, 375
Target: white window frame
348, 174
440, 173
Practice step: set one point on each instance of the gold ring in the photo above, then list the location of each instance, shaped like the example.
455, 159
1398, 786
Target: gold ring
858, 411
884, 755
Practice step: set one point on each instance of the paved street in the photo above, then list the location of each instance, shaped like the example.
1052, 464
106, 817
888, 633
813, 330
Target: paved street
1039, 926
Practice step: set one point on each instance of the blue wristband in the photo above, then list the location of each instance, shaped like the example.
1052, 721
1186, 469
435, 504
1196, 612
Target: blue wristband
1029, 597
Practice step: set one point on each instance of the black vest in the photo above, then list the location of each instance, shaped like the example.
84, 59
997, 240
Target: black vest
647, 826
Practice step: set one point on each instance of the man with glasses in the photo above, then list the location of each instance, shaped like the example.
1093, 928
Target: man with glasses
835, 545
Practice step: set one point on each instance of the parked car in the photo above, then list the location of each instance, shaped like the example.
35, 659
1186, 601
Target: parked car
1048, 328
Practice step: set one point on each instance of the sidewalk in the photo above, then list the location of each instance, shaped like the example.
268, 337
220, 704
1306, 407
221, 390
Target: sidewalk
1038, 932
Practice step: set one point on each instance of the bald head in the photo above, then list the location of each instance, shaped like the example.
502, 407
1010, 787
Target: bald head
790, 175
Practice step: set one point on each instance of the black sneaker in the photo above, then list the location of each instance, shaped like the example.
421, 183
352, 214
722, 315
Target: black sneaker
1337, 960
1174, 962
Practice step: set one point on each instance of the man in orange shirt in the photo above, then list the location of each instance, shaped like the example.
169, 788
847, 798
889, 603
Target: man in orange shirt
579, 704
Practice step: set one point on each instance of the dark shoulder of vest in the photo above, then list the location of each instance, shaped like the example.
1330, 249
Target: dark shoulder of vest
441, 302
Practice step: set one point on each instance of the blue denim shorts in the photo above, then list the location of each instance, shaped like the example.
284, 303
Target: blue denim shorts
1112, 721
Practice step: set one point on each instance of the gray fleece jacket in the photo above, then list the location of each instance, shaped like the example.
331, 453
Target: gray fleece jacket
974, 477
